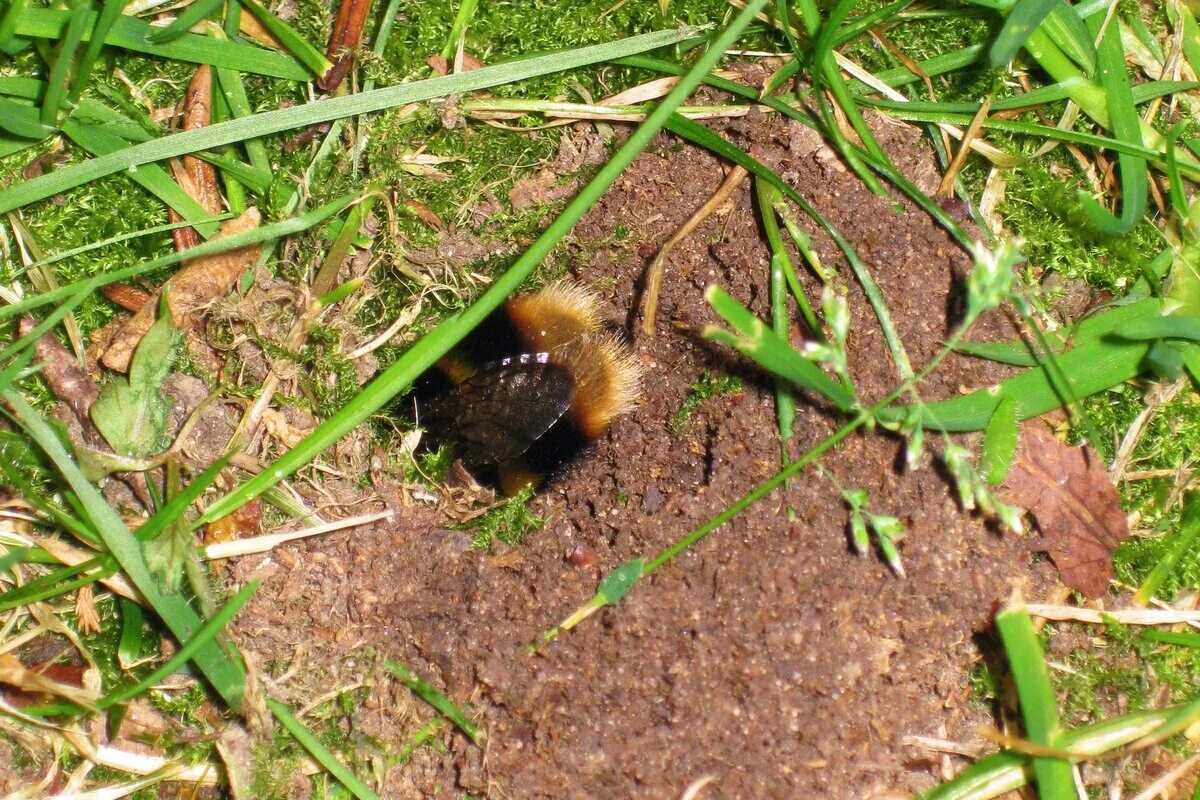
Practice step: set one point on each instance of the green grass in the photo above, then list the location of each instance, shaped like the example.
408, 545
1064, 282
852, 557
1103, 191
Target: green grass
1041, 206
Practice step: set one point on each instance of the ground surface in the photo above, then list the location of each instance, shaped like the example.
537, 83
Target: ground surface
769, 655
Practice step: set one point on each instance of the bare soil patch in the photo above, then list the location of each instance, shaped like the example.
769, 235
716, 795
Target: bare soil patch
769, 655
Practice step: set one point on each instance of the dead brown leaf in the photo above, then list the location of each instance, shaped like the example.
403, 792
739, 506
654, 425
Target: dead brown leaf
249, 26
242, 523
1076, 506
142, 720
235, 745
53, 680
68, 381
541, 189
441, 65
305, 137
425, 214
190, 290
42, 164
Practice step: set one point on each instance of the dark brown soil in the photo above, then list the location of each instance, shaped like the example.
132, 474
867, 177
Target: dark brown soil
768, 655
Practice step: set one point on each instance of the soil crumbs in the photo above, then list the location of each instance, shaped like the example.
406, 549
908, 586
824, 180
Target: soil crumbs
768, 656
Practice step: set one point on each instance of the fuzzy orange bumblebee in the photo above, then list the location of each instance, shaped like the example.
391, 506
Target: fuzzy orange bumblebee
531, 386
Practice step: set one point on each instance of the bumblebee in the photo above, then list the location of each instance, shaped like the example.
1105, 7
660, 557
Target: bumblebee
530, 387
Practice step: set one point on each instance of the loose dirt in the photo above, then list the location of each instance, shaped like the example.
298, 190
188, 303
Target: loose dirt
769, 655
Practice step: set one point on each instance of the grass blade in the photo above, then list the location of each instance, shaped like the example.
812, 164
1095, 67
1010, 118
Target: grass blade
56, 84
1039, 706
22, 121
1126, 126
433, 697
1023, 20
108, 17
151, 177
1093, 366
999, 442
185, 653
42, 327
296, 44
178, 504
8, 20
1191, 170
1173, 637
466, 10
757, 341
318, 751
1174, 326
198, 10
234, 92
130, 33
226, 676
266, 233
124, 237
313, 113
1008, 771
698, 134
783, 272
1189, 528
1065, 27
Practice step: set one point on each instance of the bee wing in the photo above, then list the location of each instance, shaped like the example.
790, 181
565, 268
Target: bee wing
500, 411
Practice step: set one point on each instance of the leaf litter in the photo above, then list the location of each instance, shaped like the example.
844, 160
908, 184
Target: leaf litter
189, 291
1076, 505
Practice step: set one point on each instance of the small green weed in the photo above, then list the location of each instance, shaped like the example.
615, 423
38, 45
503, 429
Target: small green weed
509, 522
707, 387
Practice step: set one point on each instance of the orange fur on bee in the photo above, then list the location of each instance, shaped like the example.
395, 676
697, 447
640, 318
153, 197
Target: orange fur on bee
564, 320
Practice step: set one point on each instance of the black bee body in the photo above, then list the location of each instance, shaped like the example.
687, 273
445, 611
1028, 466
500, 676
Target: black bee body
529, 388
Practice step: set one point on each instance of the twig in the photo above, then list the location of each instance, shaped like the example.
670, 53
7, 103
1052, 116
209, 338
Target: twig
1167, 780
654, 275
261, 544
1126, 616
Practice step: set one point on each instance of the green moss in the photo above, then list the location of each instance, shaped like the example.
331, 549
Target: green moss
509, 522
924, 38
435, 464
183, 706
708, 386
276, 766
501, 31
1042, 207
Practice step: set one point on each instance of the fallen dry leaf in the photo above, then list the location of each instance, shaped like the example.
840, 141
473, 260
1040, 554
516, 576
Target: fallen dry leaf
235, 745
541, 189
239, 524
441, 65
142, 720
190, 290
31, 683
249, 26
1076, 506
42, 164
68, 381
425, 214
